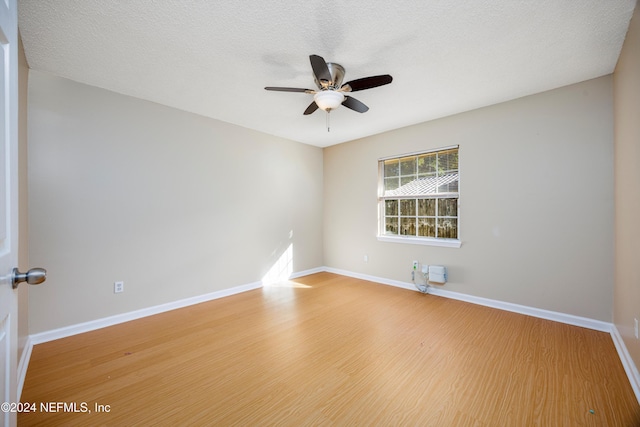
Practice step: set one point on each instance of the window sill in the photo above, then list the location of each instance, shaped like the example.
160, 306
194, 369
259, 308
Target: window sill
447, 243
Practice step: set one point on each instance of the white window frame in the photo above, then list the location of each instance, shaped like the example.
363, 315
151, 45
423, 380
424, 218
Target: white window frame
417, 240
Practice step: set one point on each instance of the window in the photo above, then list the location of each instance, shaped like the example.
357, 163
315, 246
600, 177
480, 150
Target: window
418, 198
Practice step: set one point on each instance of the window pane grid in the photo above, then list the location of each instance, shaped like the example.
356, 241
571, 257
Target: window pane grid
422, 217
421, 175
419, 195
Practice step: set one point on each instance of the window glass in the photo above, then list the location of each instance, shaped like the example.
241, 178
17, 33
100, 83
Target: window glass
420, 195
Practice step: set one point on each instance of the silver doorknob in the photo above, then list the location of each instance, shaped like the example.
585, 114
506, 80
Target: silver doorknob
35, 276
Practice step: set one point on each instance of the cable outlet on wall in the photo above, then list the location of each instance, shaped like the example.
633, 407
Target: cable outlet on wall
118, 287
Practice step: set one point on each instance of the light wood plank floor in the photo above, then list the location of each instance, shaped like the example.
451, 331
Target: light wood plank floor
331, 350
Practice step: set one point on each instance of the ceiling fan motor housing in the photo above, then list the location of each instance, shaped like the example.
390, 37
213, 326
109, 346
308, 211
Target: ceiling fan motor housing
337, 75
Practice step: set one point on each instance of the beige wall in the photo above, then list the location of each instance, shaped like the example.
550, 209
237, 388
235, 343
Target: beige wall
178, 205
536, 202
173, 204
23, 219
626, 84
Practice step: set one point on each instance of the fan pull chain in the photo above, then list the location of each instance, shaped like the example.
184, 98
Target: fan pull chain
328, 121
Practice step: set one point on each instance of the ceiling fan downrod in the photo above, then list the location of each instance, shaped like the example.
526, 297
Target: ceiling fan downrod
328, 121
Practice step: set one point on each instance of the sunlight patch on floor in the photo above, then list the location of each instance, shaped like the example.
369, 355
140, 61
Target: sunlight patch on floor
287, 284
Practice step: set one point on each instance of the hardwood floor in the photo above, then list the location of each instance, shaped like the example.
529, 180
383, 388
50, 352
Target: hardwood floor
332, 350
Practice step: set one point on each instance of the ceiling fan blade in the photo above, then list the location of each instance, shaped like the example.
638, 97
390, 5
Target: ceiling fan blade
289, 89
367, 83
354, 104
320, 69
311, 108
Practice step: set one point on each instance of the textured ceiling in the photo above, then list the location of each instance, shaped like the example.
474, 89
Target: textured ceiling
214, 58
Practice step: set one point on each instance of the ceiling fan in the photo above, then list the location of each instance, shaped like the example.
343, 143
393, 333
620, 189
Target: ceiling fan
331, 92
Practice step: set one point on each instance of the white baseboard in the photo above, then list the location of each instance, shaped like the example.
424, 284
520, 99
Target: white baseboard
23, 364
629, 367
92, 325
516, 308
307, 272
369, 278
569, 319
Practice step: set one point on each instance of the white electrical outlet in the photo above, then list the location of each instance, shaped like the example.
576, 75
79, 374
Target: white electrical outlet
415, 265
118, 287
635, 325
366, 258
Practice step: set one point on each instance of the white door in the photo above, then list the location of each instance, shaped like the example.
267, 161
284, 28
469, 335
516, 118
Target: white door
8, 203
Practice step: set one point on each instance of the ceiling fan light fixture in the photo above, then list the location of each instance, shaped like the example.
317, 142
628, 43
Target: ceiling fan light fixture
328, 99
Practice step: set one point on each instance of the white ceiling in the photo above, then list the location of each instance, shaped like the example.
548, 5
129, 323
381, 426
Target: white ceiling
214, 58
